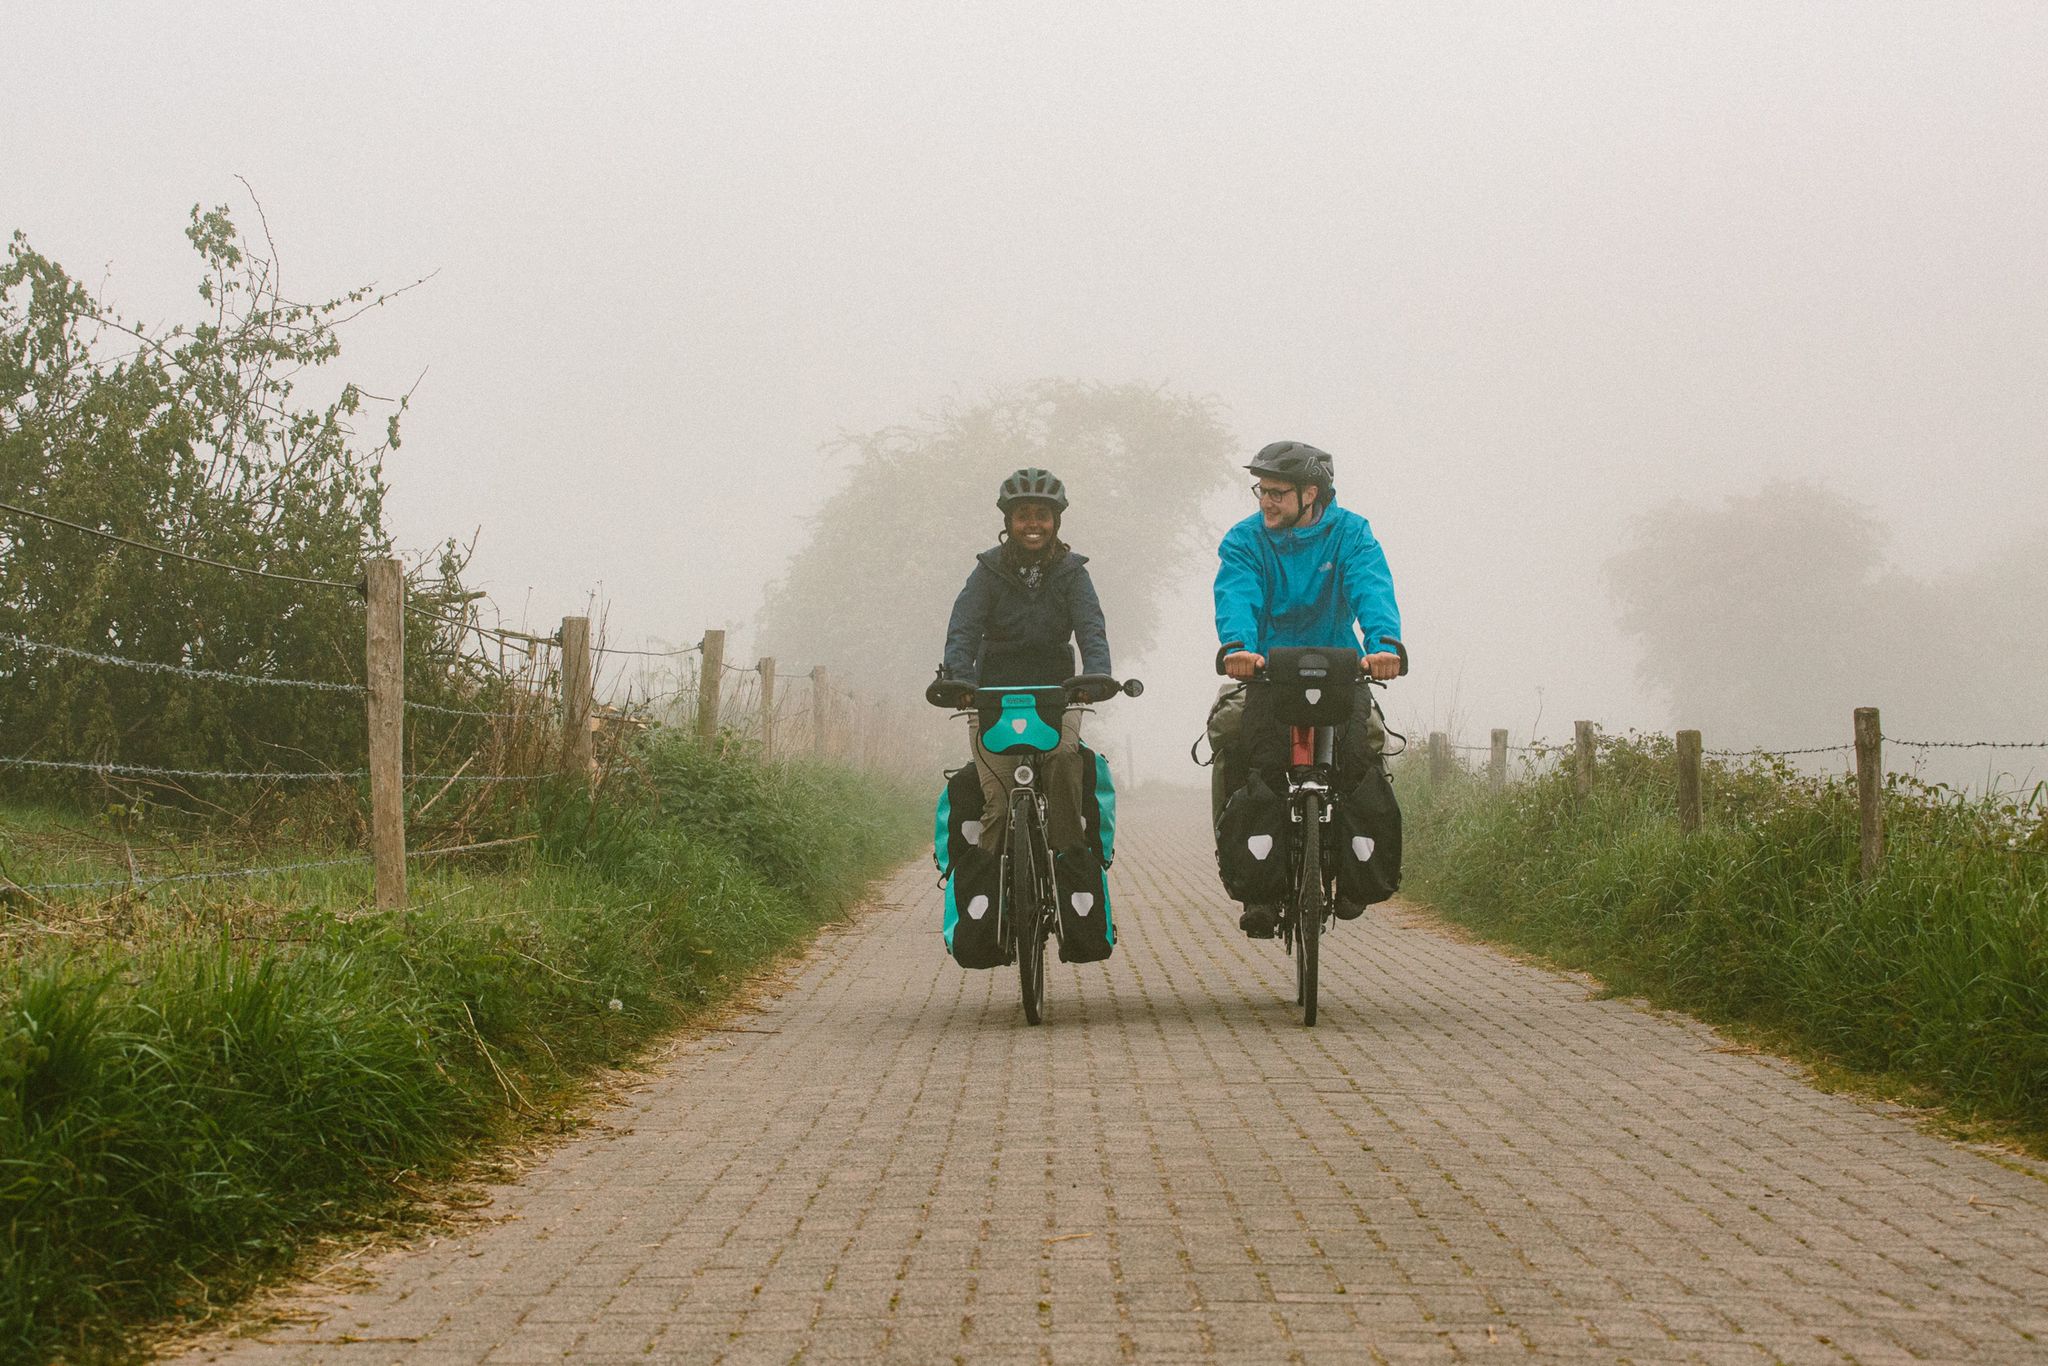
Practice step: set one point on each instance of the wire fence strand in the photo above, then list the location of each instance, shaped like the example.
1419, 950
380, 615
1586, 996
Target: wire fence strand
187, 671
354, 587
267, 870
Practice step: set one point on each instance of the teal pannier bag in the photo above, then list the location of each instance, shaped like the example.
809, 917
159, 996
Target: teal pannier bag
971, 878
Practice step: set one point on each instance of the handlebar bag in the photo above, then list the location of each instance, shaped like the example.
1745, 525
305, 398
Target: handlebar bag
1311, 685
1252, 840
972, 879
1021, 720
1367, 823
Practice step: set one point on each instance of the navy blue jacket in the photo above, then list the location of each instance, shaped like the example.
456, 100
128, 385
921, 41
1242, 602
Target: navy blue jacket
1005, 634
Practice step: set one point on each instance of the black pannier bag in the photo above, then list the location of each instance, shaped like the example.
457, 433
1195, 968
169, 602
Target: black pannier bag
972, 878
958, 827
1251, 843
1086, 934
1311, 685
1367, 824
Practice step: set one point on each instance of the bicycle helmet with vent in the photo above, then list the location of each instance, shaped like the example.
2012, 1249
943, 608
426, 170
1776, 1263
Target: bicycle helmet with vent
1032, 485
1296, 462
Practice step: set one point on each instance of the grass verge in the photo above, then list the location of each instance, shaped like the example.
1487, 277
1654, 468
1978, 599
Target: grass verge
1928, 982
197, 1082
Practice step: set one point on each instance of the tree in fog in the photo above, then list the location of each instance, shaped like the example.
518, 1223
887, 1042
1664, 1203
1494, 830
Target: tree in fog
1764, 619
870, 593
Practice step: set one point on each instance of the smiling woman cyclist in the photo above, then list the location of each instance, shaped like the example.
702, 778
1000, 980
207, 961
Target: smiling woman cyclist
1027, 600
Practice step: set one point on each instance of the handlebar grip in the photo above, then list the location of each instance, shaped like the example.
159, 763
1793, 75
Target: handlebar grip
1226, 649
947, 692
1399, 649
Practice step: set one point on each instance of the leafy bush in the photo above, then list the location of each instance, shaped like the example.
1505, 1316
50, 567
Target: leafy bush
194, 438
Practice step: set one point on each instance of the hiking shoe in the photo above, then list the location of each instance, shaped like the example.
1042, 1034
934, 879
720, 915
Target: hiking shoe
1348, 910
1259, 922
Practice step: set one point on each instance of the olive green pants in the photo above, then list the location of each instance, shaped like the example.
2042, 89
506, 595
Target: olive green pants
1059, 779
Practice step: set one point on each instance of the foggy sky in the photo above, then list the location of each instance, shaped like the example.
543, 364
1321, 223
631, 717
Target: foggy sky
1525, 270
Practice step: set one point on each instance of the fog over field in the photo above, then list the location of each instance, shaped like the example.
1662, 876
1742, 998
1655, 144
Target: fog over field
1687, 359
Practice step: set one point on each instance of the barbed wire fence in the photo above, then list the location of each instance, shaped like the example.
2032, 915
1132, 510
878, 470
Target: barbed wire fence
1863, 759
538, 721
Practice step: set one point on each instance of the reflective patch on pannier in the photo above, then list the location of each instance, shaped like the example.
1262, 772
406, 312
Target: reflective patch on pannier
1251, 843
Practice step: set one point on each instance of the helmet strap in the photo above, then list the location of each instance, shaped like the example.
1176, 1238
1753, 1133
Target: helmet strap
1301, 507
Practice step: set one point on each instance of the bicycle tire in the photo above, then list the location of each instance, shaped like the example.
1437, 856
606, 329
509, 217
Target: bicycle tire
1028, 926
1308, 907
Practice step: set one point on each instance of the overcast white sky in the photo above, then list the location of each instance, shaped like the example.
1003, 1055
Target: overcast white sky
1525, 269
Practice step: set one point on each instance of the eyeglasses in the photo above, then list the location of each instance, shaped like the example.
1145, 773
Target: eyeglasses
1267, 494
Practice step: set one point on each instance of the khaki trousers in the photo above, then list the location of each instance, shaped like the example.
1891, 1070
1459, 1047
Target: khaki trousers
1059, 779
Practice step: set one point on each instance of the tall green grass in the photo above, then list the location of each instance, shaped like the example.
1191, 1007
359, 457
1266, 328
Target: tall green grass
239, 1070
1934, 974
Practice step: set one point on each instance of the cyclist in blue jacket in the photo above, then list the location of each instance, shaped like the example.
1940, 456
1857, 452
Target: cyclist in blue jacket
1025, 603
1301, 571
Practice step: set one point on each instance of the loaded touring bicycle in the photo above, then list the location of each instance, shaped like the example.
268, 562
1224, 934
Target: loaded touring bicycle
1329, 834
1001, 909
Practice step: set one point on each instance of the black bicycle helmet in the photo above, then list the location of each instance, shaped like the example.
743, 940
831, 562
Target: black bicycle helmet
1296, 462
1032, 485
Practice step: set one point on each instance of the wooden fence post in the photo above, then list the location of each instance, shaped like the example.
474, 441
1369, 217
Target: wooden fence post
1688, 780
1497, 761
384, 660
1439, 757
578, 748
1582, 757
1870, 787
767, 671
819, 711
711, 682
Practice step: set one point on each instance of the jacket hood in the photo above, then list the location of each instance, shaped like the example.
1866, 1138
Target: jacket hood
992, 560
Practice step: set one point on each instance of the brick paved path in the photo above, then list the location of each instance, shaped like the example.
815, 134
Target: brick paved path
1467, 1159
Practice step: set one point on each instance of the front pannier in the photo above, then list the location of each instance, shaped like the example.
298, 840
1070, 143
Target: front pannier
971, 926
1251, 843
1086, 934
1367, 823
1311, 685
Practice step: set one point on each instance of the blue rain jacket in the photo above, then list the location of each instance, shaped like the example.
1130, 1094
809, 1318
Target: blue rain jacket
1005, 634
1314, 585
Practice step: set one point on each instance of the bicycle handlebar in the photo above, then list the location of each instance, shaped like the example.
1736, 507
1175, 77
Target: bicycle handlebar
1231, 647
952, 693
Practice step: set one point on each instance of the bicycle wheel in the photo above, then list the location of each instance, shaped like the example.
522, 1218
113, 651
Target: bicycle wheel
1308, 906
1028, 921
